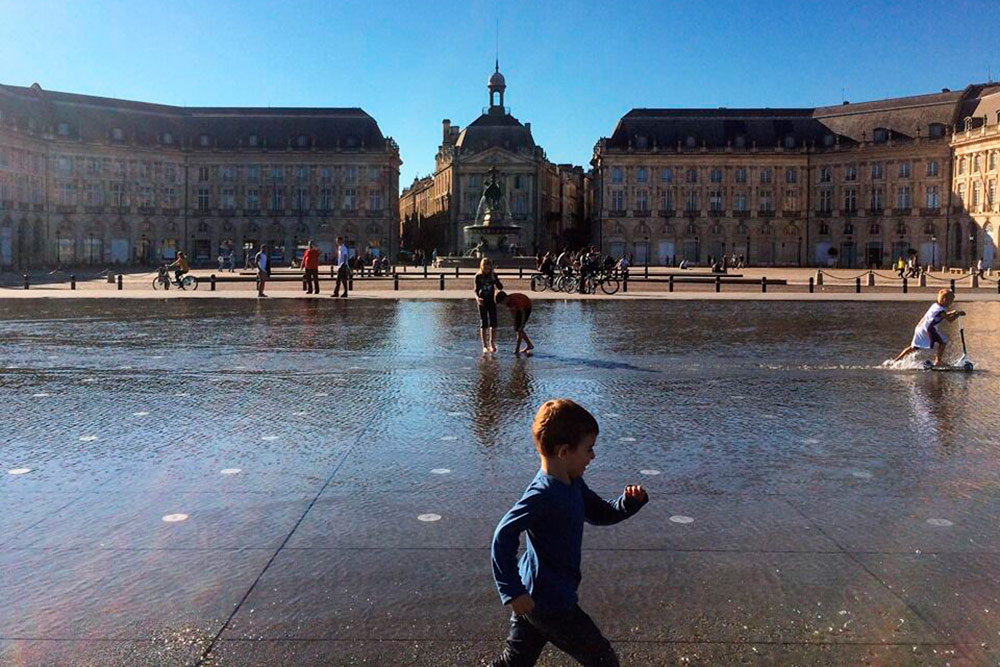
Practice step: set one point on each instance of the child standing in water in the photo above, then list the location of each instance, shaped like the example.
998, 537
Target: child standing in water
541, 587
926, 334
520, 307
487, 285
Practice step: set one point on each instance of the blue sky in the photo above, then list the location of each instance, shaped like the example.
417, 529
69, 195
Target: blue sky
572, 68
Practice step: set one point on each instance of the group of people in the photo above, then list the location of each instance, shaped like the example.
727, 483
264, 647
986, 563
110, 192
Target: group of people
490, 294
585, 262
310, 268
909, 268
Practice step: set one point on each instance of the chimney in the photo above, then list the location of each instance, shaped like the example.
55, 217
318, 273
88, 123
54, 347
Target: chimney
445, 129
527, 126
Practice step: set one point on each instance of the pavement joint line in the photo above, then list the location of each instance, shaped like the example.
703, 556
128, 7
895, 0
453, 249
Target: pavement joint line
368, 427
906, 603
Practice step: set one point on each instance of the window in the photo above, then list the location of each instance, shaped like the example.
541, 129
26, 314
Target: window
520, 204
850, 200
991, 194
766, 174
302, 141
824, 229
64, 165
961, 165
143, 170
277, 174
791, 202
277, 199
146, 197
881, 135
325, 175
976, 164
825, 174
228, 174
993, 161
203, 140
67, 194
302, 174
202, 174
740, 142
203, 199
63, 129
932, 197
692, 176
167, 138
616, 174
828, 140
975, 195
642, 200
715, 200
518, 182
666, 200
228, 199
789, 141
253, 199
350, 198
93, 166
826, 200
170, 173
848, 229
766, 201
374, 200
618, 200
252, 140
740, 201
118, 199
351, 173
691, 205
877, 203
117, 134
689, 142
791, 175
301, 199
903, 197
961, 194
169, 198
253, 173
904, 169
932, 168
325, 199
667, 175
716, 175
93, 195
642, 175
935, 130
878, 171
851, 172
741, 174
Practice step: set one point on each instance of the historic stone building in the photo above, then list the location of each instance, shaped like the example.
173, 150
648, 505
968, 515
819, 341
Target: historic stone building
92, 180
546, 200
976, 144
849, 185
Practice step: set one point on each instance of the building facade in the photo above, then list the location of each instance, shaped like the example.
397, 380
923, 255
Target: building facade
976, 145
855, 185
90, 180
546, 200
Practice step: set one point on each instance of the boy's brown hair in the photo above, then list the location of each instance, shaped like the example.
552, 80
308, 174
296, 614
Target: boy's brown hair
945, 297
561, 422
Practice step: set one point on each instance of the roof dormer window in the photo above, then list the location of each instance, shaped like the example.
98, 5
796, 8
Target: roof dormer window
740, 142
881, 135
935, 130
167, 138
690, 142
828, 140
789, 141
968, 123
203, 140
117, 134
252, 140
302, 141
63, 129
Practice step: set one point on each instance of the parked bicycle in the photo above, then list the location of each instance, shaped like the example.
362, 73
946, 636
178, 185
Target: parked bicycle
541, 281
164, 281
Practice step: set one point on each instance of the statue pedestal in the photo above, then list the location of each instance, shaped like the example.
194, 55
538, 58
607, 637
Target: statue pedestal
496, 239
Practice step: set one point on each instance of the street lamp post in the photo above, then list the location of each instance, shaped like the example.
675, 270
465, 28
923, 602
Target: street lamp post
933, 251
647, 254
748, 252
90, 251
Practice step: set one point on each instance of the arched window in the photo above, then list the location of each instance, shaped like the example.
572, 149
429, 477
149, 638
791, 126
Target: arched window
848, 229
824, 229
901, 228
929, 229
692, 176
875, 229
203, 227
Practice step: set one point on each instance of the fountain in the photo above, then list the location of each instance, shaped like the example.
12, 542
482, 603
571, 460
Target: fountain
492, 235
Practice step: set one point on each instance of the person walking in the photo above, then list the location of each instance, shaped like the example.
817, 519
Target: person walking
310, 269
342, 268
263, 264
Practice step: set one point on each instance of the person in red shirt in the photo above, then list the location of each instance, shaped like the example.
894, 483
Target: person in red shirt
310, 268
520, 307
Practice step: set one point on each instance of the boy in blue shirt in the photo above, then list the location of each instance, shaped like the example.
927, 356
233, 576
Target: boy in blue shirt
541, 587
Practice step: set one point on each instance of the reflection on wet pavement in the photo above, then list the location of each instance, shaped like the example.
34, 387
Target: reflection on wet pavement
301, 482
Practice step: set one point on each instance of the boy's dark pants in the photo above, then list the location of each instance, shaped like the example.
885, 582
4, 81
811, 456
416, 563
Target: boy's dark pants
571, 631
341, 279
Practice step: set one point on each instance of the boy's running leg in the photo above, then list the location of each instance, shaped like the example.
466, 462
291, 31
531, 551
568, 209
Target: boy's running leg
574, 633
939, 354
524, 645
908, 351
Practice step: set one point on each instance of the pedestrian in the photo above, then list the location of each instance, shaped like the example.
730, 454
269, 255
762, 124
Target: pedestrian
520, 307
310, 269
343, 270
263, 264
487, 285
541, 587
979, 267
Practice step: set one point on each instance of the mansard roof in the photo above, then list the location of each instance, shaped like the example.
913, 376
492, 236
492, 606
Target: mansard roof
496, 129
92, 119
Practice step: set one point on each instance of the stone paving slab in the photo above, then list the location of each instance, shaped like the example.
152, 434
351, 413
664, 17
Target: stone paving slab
177, 649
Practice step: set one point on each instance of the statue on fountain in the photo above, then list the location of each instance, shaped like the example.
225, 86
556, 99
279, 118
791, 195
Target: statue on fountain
492, 228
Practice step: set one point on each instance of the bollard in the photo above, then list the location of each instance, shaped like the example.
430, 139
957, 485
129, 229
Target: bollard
905, 285
350, 281
212, 281
425, 270
647, 271
72, 282
625, 284
857, 285
25, 281
395, 281
819, 276
975, 280
441, 276
718, 284
952, 285
923, 280
520, 272
871, 279
456, 272
810, 284
670, 284
119, 282
763, 284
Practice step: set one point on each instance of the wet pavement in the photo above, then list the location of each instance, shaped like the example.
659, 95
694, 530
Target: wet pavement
317, 482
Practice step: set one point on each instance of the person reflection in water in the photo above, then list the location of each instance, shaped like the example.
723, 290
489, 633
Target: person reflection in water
541, 587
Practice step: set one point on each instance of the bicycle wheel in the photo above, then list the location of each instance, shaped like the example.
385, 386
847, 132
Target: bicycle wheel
538, 283
610, 285
190, 281
157, 284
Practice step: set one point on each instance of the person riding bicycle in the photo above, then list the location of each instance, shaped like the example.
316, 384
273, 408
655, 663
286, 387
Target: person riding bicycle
180, 265
547, 267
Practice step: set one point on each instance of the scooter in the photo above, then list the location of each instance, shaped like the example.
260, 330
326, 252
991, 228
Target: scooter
963, 363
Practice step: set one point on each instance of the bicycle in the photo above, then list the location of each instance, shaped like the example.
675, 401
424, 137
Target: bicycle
541, 281
608, 282
566, 281
163, 280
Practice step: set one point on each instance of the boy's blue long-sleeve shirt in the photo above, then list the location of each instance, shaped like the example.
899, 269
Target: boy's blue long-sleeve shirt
551, 513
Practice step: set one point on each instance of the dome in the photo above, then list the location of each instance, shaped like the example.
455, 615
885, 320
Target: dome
497, 80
